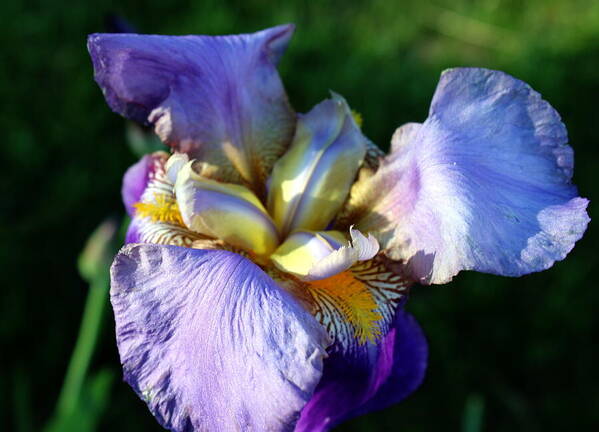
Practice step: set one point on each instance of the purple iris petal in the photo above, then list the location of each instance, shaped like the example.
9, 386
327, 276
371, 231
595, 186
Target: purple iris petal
210, 342
135, 181
381, 376
134, 231
219, 99
483, 184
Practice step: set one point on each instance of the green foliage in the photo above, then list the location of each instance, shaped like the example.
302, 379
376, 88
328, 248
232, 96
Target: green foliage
523, 346
89, 407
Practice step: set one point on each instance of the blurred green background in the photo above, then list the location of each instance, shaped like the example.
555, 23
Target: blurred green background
505, 354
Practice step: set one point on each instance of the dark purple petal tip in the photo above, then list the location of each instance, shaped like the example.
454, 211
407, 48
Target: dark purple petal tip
377, 377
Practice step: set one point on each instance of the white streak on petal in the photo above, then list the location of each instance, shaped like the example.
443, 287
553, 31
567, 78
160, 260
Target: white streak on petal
174, 165
360, 249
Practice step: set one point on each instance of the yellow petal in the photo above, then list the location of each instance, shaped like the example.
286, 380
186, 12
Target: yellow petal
303, 249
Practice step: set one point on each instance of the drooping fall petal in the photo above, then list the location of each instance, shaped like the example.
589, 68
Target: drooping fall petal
210, 342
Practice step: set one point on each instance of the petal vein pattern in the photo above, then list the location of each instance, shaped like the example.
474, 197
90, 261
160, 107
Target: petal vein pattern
156, 216
210, 342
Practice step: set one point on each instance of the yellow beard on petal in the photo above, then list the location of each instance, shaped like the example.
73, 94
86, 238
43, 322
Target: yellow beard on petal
163, 209
353, 300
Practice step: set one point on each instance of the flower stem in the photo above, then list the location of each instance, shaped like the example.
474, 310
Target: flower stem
94, 264
84, 348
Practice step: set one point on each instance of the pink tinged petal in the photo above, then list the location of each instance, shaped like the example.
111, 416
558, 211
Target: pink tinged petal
311, 181
402, 137
483, 184
373, 378
210, 342
218, 99
228, 212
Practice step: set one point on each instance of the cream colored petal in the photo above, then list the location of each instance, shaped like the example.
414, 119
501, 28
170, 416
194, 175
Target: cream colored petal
303, 249
311, 181
318, 255
225, 211
174, 165
361, 248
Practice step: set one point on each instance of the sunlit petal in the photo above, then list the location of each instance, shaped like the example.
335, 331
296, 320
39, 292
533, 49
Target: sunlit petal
482, 184
210, 342
311, 181
303, 249
219, 99
225, 211
361, 248
321, 254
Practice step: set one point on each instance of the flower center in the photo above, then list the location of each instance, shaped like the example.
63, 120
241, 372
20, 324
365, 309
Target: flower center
288, 234
163, 209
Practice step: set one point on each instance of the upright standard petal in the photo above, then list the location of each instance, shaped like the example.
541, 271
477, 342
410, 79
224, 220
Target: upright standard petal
376, 377
219, 99
210, 342
311, 181
483, 184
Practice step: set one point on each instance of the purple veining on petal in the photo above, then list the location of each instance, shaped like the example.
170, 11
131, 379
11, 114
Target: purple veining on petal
380, 376
210, 342
483, 184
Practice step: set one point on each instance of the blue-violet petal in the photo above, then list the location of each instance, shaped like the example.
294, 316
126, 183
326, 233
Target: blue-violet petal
483, 184
217, 98
210, 342
372, 379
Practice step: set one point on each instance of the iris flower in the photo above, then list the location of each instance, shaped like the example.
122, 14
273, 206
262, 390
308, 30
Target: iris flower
270, 254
